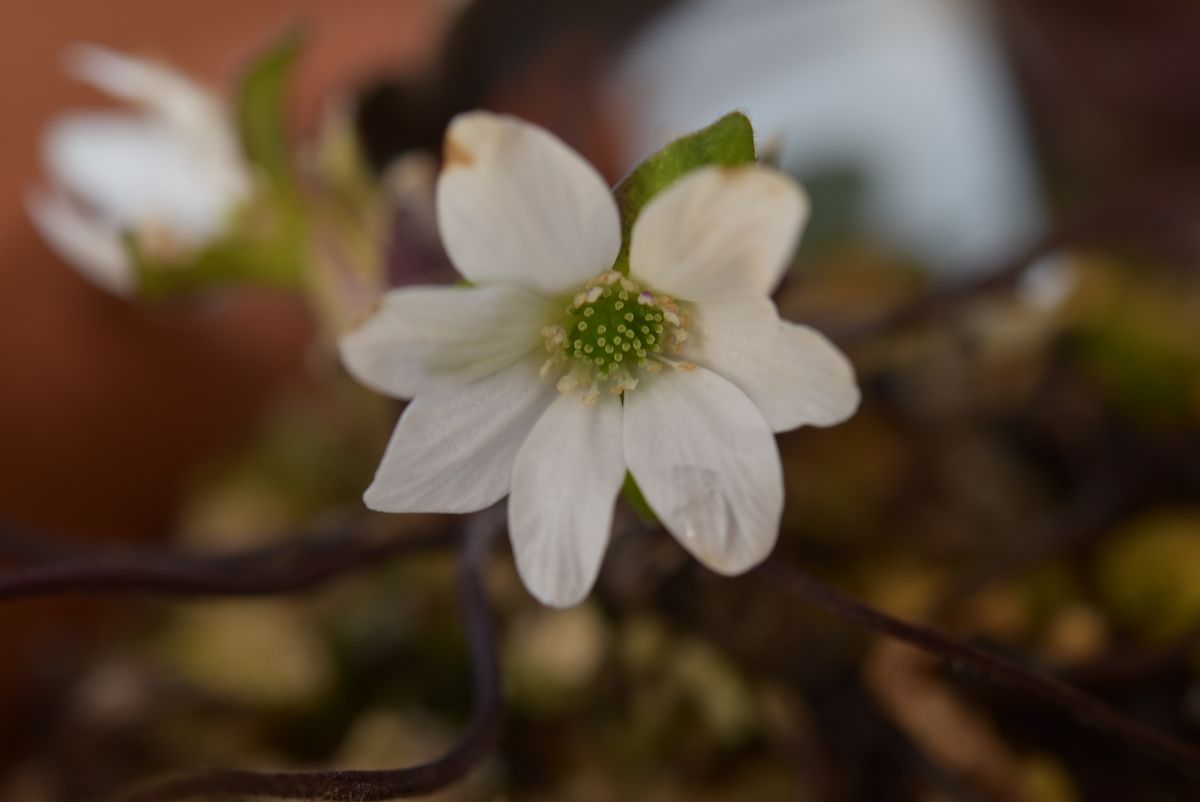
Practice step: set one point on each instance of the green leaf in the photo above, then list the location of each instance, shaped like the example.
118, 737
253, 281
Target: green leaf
260, 109
633, 495
726, 143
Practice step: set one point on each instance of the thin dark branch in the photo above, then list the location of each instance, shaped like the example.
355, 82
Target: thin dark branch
371, 786
290, 566
1082, 706
1160, 196
21, 546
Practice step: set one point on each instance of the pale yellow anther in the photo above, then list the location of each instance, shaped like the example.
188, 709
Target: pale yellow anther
553, 363
555, 337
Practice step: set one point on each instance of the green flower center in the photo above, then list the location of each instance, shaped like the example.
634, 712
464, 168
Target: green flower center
609, 331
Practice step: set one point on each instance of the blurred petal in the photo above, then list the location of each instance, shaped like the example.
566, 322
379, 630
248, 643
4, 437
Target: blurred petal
140, 173
453, 451
707, 463
791, 372
719, 231
91, 247
516, 205
424, 338
158, 88
566, 479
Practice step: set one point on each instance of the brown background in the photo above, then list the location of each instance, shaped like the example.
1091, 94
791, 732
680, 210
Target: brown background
103, 406
105, 409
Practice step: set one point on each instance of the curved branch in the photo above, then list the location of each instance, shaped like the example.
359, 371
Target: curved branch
20, 546
1158, 196
290, 566
374, 786
1084, 707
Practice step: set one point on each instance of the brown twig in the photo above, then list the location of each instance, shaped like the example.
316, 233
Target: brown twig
293, 565
1160, 196
368, 786
1085, 708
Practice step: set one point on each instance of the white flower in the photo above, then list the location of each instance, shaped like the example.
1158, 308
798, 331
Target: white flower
553, 375
169, 171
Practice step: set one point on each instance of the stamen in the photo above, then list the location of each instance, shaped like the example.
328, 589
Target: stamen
592, 395
623, 380
610, 330
678, 364
577, 377
553, 363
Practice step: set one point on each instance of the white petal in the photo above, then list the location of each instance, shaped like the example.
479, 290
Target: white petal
791, 372
564, 484
137, 173
453, 451
724, 231
88, 245
156, 87
707, 464
515, 204
424, 338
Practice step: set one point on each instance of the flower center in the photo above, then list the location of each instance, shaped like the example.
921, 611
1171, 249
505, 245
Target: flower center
609, 331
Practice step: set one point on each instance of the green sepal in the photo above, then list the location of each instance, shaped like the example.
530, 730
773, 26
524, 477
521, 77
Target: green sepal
726, 143
633, 495
264, 245
265, 240
260, 110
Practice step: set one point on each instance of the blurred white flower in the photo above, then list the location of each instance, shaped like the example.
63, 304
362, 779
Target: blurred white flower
168, 171
890, 91
553, 375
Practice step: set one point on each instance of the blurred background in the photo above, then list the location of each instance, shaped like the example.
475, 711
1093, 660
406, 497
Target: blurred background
1024, 471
